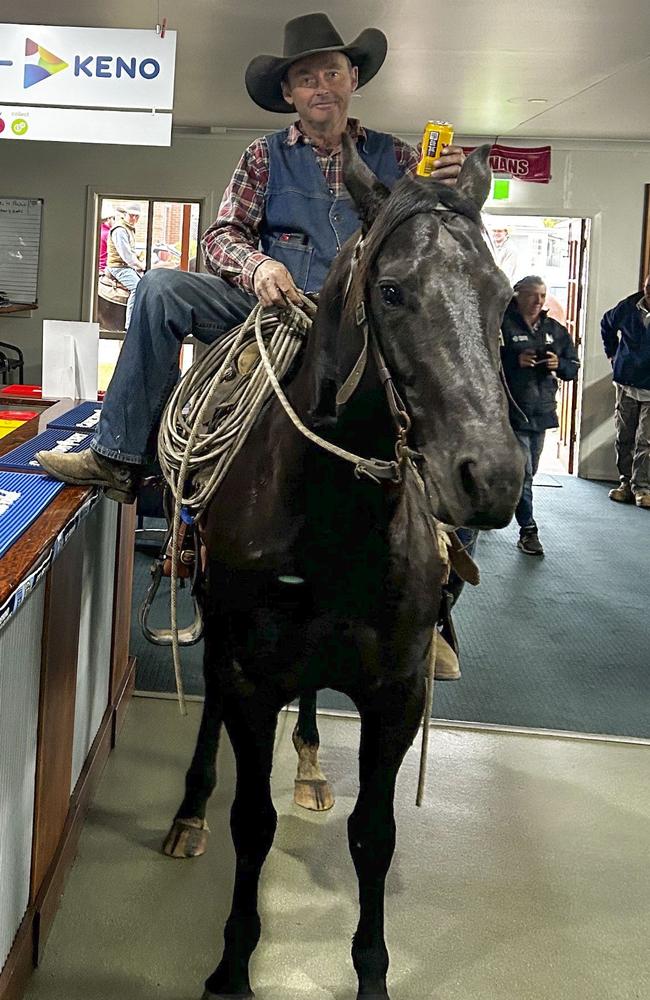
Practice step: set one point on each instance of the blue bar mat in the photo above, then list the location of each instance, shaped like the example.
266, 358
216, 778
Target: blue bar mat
84, 417
54, 439
22, 498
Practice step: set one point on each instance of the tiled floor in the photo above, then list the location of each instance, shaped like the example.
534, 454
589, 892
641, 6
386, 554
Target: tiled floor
524, 877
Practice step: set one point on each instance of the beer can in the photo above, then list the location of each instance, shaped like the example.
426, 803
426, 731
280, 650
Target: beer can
436, 136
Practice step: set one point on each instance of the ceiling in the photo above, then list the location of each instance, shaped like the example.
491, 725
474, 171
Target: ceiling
476, 64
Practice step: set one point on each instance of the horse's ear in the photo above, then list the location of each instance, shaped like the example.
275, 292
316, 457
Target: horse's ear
475, 176
367, 193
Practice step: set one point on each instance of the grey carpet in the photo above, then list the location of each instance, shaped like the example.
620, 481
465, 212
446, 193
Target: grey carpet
553, 643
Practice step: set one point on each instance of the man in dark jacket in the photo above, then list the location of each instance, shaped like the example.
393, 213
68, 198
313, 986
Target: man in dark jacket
625, 330
536, 351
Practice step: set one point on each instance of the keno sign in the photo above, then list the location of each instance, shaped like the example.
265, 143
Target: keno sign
523, 163
86, 67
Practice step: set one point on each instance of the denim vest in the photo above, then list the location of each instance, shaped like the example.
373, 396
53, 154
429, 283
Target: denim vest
305, 224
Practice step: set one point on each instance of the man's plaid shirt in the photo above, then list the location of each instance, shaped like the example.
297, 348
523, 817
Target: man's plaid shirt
230, 244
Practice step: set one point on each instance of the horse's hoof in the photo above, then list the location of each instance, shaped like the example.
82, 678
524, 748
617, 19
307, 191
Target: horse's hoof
313, 793
188, 838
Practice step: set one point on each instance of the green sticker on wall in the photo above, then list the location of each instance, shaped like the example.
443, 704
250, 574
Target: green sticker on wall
501, 189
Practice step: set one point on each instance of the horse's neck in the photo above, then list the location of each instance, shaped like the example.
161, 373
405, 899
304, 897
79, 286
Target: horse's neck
289, 505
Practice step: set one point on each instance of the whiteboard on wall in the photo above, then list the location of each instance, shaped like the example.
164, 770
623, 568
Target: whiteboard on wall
20, 241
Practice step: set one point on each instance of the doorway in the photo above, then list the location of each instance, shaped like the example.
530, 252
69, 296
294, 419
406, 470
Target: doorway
555, 248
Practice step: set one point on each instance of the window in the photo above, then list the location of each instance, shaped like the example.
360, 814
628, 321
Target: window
555, 254
165, 235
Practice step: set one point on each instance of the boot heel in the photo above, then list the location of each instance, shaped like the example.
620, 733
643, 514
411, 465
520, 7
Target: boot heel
120, 496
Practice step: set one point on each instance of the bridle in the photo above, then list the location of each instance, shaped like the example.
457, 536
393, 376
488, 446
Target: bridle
376, 469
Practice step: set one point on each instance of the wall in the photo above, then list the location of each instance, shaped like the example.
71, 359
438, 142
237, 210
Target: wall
604, 181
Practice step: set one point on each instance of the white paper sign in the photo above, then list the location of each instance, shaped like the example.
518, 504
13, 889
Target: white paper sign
125, 128
70, 359
44, 64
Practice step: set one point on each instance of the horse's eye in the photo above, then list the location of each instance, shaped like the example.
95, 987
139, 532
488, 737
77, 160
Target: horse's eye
391, 294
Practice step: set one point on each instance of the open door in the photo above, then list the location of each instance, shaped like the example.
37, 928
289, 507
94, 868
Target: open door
576, 298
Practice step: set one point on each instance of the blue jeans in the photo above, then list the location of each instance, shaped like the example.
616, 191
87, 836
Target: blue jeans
130, 278
533, 442
169, 306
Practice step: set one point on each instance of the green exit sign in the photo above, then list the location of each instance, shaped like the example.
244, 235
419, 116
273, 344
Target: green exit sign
500, 189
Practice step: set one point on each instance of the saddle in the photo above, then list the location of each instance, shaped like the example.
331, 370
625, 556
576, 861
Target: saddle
112, 290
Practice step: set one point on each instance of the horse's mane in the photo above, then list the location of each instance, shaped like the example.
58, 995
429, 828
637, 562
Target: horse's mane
410, 196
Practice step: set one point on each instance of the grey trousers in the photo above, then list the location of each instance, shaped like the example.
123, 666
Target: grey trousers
632, 421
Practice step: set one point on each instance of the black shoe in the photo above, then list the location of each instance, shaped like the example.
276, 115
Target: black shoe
529, 542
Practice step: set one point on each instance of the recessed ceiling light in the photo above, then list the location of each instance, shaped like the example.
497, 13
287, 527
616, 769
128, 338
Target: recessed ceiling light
527, 100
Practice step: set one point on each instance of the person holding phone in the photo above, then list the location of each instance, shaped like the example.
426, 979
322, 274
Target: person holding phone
536, 351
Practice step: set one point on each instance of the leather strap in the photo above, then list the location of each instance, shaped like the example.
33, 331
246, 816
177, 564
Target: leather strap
461, 561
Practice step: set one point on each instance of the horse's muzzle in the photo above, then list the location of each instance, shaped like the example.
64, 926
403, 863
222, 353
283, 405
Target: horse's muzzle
482, 491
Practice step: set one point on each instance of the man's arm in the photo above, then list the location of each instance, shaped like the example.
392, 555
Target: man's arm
609, 325
509, 359
568, 364
230, 245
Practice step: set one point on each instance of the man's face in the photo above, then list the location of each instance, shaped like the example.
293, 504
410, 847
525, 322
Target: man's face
320, 87
531, 300
132, 218
499, 236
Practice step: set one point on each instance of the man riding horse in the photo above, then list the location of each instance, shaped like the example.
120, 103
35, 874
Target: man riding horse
282, 220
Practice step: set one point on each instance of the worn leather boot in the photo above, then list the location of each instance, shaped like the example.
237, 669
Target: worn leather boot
622, 493
88, 468
642, 500
446, 667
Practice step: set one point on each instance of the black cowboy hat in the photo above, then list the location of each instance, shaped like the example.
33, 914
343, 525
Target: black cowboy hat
305, 36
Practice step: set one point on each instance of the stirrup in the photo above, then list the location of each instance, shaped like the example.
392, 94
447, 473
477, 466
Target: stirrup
187, 636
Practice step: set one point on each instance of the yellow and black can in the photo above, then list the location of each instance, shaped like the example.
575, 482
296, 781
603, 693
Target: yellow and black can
437, 135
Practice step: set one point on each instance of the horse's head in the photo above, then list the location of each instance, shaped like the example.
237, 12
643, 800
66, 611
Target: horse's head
435, 300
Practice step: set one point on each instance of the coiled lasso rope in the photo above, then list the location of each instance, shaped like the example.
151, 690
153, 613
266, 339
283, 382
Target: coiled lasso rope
187, 444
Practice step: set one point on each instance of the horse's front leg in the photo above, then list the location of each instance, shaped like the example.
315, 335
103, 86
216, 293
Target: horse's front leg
251, 724
312, 790
388, 727
188, 836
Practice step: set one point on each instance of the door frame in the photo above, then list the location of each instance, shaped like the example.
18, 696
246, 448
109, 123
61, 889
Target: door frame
645, 238
571, 392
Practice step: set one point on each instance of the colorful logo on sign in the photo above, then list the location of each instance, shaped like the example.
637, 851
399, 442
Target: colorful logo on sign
43, 65
19, 126
2, 125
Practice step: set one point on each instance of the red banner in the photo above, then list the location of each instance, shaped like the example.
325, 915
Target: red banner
532, 164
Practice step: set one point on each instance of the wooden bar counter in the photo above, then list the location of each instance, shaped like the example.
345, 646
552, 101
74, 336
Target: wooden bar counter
65, 681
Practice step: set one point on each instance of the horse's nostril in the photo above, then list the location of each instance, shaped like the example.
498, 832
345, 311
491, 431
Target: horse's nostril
467, 474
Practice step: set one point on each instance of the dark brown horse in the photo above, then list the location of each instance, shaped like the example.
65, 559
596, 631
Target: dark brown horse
316, 578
